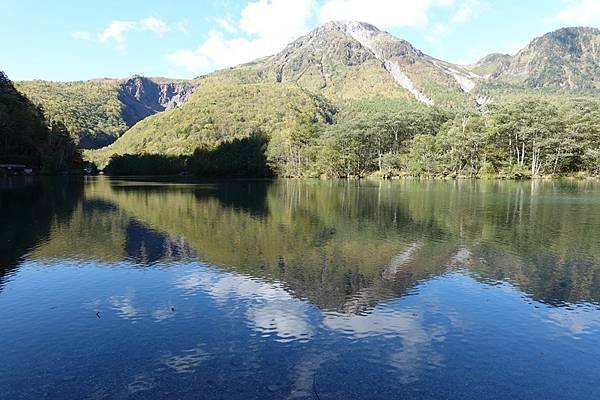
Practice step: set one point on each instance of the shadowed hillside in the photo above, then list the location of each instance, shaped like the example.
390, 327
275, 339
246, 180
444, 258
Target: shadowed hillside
27, 137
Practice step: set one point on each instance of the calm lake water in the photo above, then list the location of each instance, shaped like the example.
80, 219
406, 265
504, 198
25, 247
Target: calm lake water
145, 289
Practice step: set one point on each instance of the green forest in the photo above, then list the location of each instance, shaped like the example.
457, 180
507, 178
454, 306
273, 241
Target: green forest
521, 138
90, 110
27, 137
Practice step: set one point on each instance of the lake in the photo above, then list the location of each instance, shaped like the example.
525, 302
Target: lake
156, 289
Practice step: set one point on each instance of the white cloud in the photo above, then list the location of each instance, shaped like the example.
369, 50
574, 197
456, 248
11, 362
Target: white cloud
578, 12
217, 52
574, 322
264, 27
466, 11
124, 307
187, 361
409, 324
153, 24
276, 17
116, 30
382, 13
270, 309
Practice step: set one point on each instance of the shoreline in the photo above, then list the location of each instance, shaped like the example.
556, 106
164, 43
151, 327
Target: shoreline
366, 178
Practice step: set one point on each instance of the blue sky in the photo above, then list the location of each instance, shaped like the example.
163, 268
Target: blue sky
72, 40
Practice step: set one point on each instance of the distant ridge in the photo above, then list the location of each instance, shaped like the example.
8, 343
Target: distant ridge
566, 59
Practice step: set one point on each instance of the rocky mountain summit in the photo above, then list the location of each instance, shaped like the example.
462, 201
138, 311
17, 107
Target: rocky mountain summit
350, 59
336, 57
566, 59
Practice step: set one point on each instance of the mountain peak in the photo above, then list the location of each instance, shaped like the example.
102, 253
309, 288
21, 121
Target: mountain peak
379, 43
349, 26
565, 38
567, 58
574, 30
324, 59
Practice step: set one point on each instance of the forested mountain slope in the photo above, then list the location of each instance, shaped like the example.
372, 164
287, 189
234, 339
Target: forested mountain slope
97, 112
221, 111
27, 137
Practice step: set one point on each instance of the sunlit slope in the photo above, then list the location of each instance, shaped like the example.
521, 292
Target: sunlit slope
97, 112
222, 109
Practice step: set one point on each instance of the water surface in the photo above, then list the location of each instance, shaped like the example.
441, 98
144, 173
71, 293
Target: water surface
149, 289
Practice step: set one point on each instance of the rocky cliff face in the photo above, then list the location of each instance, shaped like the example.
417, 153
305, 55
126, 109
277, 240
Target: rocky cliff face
566, 59
141, 97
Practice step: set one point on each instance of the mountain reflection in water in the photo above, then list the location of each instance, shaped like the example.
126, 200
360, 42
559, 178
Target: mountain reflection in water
342, 246
278, 283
